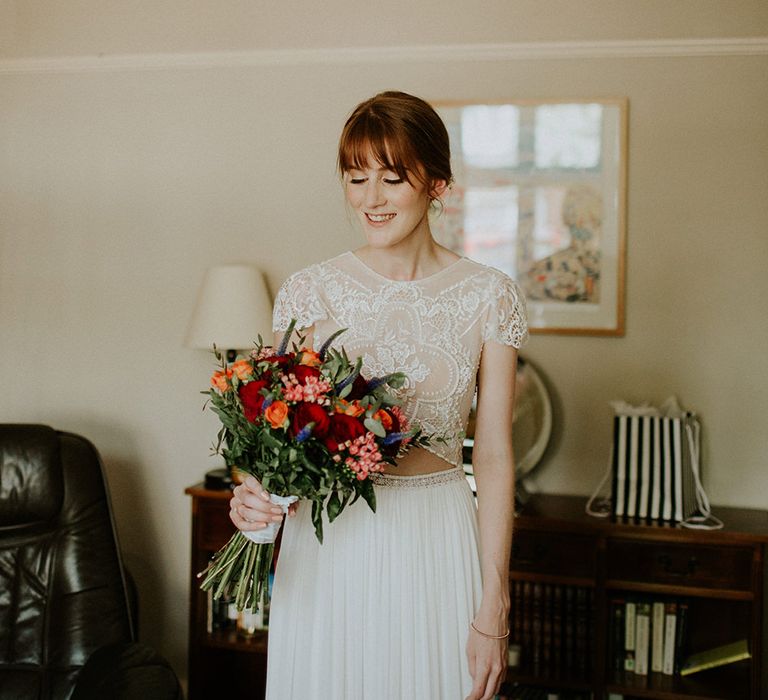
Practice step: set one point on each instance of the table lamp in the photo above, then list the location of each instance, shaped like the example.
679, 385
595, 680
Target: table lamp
233, 308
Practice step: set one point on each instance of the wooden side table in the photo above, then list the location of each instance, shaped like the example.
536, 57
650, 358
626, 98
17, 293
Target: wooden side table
220, 661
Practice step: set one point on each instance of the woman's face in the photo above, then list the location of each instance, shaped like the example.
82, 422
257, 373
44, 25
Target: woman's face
390, 210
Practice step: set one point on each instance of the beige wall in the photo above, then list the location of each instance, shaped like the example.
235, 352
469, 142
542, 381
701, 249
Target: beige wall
118, 189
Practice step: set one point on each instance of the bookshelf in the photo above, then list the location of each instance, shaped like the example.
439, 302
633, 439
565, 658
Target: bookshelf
718, 576
578, 565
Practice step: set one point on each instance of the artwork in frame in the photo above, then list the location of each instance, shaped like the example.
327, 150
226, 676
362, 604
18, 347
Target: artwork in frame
539, 192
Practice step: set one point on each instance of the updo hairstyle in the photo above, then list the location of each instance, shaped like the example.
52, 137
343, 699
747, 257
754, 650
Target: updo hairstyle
405, 135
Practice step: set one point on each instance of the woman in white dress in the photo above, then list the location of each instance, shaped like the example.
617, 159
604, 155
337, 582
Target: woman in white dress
412, 601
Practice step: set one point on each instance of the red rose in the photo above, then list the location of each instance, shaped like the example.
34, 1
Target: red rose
303, 371
358, 388
282, 361
252, 398
310, 413
343, 428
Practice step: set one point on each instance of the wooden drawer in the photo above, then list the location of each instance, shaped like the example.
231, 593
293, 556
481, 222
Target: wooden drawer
560, 554
214, 528
695, 566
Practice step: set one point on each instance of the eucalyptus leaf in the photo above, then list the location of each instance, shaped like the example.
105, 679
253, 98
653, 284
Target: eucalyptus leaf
375, 427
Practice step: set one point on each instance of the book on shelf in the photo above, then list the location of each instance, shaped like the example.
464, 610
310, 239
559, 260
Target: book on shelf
551, 626
527, 626
719, 656
582, 636
642, 637
670, 624
569, 643
536, 626
630, 612
557, 628
681, 635
657, 636
547, 656
617, 608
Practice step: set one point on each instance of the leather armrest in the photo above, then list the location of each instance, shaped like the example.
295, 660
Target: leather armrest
127, 672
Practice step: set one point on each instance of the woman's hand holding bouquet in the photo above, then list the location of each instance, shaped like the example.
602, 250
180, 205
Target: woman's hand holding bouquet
306, 425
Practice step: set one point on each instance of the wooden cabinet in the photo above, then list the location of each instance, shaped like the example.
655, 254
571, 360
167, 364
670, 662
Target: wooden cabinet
220, 662
561, 556
578, 565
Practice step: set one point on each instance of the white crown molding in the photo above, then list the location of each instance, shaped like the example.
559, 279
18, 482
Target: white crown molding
459, 53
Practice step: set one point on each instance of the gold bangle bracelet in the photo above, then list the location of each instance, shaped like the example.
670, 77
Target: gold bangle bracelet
490, 636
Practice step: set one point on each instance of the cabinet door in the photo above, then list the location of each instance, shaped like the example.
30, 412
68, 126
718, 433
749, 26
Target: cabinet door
554, 553
692, 565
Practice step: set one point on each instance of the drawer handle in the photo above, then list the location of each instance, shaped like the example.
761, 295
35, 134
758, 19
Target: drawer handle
538, 552
666, 561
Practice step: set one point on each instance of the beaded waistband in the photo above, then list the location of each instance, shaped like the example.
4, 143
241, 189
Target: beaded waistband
400, 481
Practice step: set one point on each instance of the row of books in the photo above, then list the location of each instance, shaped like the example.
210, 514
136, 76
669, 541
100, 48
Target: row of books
223, 615
552, 626
648, 635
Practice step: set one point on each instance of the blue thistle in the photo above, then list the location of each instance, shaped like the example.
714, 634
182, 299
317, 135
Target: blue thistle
376, 382
351, 376
327, 343
284, 342
305, 432
395, 437
267, 403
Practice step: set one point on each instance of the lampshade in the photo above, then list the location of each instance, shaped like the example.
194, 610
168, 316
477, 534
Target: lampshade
233, 308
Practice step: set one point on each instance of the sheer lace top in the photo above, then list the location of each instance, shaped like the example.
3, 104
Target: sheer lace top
432, 329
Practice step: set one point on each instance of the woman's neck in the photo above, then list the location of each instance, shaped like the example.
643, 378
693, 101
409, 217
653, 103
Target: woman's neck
407, 262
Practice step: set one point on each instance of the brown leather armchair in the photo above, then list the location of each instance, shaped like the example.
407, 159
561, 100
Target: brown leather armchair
64, 601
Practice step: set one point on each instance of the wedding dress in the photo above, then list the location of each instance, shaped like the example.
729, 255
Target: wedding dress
381, 609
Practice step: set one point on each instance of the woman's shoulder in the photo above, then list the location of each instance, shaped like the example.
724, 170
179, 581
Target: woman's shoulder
490, 278
313, 272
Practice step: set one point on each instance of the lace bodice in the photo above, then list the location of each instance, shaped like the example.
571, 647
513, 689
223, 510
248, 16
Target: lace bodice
432, 329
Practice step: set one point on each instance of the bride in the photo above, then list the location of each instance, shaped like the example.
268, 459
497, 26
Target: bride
411, 601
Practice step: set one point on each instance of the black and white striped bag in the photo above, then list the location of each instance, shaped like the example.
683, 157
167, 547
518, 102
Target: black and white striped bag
655, 467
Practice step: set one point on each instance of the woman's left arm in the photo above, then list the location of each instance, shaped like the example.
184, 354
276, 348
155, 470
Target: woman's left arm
493, 466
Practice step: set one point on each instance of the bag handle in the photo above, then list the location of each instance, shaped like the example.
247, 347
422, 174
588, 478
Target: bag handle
603, 507
698, 522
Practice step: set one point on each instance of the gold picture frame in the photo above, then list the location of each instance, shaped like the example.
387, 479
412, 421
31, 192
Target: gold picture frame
540, 192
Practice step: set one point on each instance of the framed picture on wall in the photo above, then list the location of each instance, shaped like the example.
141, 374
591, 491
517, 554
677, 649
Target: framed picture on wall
540, 193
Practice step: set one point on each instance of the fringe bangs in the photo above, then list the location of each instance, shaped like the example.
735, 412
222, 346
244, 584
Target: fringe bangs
368, 135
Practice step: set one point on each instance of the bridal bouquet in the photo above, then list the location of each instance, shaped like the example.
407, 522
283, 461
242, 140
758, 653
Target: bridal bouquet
307, 425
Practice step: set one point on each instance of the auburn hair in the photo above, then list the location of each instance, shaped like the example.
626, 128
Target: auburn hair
404, 133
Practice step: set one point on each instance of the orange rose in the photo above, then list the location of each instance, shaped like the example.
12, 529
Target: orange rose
350, 409
219, 380
276, 413
309, 358
384, 418
242, 369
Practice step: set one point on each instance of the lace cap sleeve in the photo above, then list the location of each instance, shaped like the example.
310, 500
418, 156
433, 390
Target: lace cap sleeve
507, 322
297, 298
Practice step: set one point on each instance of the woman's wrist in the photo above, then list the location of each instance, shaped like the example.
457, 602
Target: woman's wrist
501, 635
493, 619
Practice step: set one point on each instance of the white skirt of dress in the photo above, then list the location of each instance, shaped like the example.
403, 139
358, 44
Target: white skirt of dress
380, 610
